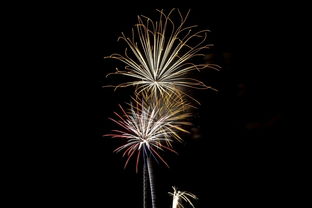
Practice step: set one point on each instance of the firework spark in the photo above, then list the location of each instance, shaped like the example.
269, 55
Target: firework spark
149, 127
160, 55
179, 196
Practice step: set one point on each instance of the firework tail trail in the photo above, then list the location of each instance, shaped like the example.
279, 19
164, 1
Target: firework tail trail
148, 182
144, 184
151, 181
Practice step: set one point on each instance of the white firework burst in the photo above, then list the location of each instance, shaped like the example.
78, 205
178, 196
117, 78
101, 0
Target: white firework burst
160, 54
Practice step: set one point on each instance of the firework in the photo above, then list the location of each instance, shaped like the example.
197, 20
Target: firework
149, 126
160, 54
179, 196
159, 60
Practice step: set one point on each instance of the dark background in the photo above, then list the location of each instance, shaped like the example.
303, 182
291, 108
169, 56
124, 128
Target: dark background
237, 154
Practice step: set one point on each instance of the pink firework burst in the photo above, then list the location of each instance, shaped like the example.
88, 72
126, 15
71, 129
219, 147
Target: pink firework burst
148, 128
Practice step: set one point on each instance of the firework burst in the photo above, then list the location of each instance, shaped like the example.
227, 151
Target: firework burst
179, 196
160, 54
159, 60
149, 126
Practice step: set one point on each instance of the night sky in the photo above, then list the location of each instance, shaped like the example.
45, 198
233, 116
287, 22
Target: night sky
237, 153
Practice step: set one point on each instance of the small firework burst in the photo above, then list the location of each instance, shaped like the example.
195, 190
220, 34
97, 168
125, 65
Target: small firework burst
160, 54
149, 127
179, 196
